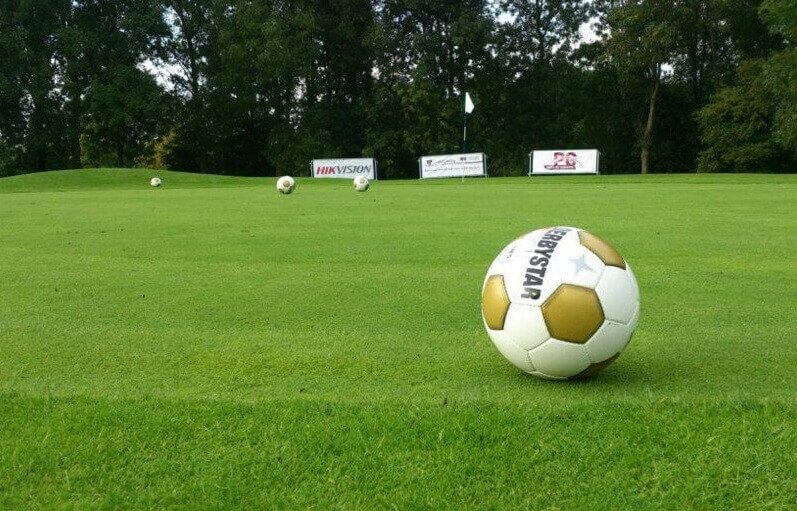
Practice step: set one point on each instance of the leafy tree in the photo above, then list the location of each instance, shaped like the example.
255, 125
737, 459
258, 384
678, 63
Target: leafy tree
340, 79
751, 126
244, 87
529, 85
253, 71
542, 30
780, 80
123, 115
603, 117
31, 125
780, 71
737, 124
96, 40
643, 42
427, 55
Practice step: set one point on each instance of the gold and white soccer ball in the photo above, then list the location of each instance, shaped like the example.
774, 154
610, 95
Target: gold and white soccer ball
286, 184
155, 181
560, 303
361, 183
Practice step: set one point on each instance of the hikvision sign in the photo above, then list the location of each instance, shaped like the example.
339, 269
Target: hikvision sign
347, 168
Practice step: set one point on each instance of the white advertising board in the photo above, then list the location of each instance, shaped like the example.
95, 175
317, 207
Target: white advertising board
344, 168
564, 161
453, 165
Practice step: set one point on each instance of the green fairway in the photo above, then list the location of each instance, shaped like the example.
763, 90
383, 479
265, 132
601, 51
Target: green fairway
212, 344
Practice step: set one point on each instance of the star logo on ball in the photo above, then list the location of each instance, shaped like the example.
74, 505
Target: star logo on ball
581, 264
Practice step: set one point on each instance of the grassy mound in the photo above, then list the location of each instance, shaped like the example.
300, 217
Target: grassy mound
119, 179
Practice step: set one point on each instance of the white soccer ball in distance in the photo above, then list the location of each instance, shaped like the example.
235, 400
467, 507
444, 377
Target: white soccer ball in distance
361, 183
155, 181
560, 303
286, 184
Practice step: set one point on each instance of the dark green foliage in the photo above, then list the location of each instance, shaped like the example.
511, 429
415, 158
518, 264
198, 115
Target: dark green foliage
780, 72
31, 124
737, 125
124, 114
752, 126
71, 85
260, 88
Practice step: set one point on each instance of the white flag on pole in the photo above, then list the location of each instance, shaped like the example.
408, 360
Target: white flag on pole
468, 104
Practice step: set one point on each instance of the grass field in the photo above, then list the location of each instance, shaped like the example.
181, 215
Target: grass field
213, 345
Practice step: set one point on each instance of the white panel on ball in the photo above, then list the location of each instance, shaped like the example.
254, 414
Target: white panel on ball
527, 326
560, 359
553, 277
610, 339
634, 320
583, 268
511, 351
515, 281
499, 264
571, 238
618, 293
527, 249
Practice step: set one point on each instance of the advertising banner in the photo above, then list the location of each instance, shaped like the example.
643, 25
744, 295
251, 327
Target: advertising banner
345, 168
564, 161
453, 165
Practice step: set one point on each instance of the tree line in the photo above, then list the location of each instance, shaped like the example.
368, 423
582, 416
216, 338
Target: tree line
261, 87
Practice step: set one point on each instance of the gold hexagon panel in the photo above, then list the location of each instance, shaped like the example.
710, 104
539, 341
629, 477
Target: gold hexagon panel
572, 313
495, 302
600, 248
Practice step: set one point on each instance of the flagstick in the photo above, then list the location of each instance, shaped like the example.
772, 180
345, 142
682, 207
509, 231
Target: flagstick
465, 134
464, 138
468, 110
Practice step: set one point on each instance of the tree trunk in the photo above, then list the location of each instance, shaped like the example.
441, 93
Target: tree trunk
74, 136
120, 154
74, 151
644, 154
